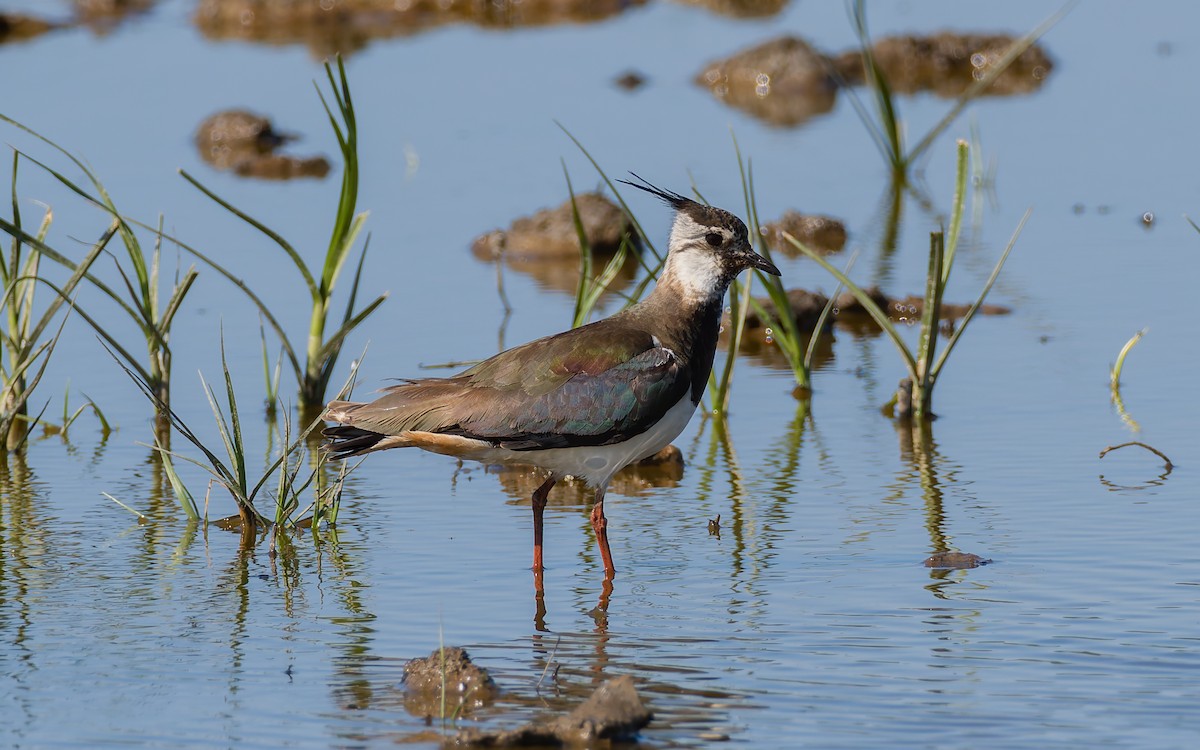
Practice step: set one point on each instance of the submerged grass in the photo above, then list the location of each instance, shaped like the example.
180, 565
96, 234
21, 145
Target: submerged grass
924, 365
321, 350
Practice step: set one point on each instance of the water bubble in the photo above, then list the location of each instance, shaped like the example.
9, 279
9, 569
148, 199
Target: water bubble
762, 85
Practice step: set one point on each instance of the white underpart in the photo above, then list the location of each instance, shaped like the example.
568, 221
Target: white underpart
596, 464
691, 262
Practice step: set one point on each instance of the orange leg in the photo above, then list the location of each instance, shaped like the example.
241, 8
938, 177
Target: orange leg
600, 526
540, 496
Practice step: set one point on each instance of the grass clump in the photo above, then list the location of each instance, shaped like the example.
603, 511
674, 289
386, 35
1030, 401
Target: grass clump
924, 364
138, 294
782, 321
313, 365
23, 330
284, 478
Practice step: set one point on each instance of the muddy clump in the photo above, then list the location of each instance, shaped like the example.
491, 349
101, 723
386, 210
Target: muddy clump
782, 82
15, 27
947, 63
630, 80
246, 143
343, 26
546, 245
613, 713
849, 312
102, 16
550, 233
824, 234
955, 561
448, 671
740, 8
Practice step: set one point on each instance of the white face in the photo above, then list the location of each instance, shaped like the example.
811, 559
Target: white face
694, 262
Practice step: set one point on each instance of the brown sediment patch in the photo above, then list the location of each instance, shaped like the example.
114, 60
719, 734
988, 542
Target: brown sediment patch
947, 63
784, 81
613, 713
740, 8
851, 313
550, 233
821, 233
630, 80
246, 143
546, 245
15, 27
102, 16
955, 560
343, 26
449, 675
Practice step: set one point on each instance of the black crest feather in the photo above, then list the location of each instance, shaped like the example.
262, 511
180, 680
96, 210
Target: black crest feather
672, 199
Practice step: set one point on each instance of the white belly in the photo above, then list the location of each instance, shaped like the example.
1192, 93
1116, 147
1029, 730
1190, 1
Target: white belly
597, 463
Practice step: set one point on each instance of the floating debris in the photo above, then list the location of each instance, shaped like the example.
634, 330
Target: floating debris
714, 526
631, 80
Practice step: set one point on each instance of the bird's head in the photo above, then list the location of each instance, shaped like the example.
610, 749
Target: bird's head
708, 247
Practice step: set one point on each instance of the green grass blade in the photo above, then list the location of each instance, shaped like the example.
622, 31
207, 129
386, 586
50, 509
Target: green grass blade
353, 300
239, 453
956, 209
49, 252
937, 368
297, 261
982, 84
878, 315
332, 346
930, 314
254, 298
888, 137
140, 516
646, 241
180, 490
180, 291
1119, 365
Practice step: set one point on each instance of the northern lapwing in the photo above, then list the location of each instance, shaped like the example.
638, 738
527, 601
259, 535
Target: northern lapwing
586, 402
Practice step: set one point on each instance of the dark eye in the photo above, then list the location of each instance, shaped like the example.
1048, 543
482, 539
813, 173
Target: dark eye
713, 238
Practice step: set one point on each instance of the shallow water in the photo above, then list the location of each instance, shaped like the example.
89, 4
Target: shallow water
810, 620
